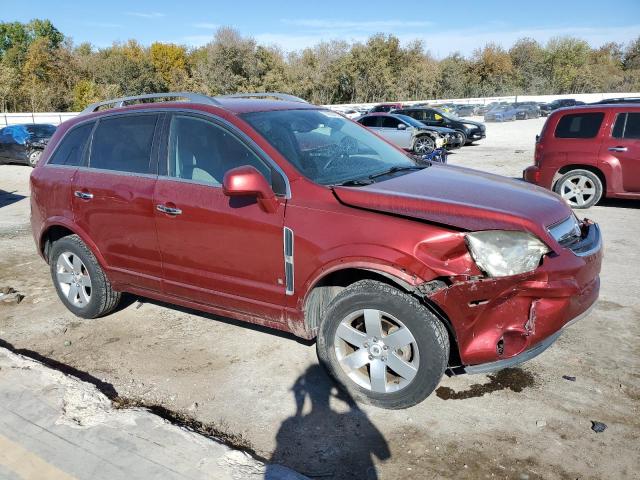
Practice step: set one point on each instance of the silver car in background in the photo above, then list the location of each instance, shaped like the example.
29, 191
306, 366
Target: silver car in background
404, 132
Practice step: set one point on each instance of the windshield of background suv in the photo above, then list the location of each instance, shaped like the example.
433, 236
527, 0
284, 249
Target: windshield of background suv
410, 120
41, 131
327, 148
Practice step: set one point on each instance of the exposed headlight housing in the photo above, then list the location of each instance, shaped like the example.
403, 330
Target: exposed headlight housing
500, 253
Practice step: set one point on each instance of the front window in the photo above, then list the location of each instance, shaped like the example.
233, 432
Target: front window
327, 148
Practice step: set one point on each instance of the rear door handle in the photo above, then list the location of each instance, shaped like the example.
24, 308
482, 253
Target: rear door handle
617, 149
83, 195
168, 210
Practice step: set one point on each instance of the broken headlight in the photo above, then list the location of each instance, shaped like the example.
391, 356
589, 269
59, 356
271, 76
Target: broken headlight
500, 253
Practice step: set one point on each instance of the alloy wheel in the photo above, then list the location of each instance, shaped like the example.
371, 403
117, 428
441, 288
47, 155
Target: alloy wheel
73, 279
577, 190
376, 351
34, 156
423, 145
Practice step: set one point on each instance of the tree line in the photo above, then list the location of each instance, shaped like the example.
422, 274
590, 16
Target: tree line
43, 70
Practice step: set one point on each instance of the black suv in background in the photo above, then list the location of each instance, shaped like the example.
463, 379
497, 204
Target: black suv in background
547, 108
470, 130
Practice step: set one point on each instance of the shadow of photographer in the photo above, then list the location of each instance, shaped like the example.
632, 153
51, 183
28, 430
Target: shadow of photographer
329, 436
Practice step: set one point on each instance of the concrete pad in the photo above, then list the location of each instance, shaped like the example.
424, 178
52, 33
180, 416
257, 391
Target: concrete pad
56, 427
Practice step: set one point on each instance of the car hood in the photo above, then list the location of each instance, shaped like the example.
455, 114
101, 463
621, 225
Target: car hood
471, 122
461, 198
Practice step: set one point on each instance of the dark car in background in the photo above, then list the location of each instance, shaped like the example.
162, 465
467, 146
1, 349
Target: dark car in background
501, 113
547, 108
465, 110
527, 110
24, 143
385, 107
469, 130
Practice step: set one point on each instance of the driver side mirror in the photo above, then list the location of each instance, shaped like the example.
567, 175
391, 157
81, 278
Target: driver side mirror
248, 181
402, 126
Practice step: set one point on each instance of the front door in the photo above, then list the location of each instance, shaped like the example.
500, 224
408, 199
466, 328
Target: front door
400, 136
624, 145
112, 198
217, 250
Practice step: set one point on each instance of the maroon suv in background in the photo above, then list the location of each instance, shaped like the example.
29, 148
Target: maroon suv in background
588, 153
288, 215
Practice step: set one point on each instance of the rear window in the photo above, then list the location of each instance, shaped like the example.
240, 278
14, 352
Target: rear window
627, 126
124, 143
579, 125
70, 150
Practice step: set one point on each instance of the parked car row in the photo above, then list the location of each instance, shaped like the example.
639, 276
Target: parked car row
24, 143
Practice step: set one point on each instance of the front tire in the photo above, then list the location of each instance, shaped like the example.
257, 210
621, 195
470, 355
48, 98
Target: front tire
579, 188
423, 145
463, 138
33, 157
80, 282
382, 345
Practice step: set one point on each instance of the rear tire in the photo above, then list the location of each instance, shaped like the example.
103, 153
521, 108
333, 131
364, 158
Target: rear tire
80, 282
579, 188
382, 345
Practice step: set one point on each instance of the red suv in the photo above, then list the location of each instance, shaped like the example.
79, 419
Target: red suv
281, 213
587, 153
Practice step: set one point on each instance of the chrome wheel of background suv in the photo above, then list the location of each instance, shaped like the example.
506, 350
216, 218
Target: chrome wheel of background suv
579, 188
376, 350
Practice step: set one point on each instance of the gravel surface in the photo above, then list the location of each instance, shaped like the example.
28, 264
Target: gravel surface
265, 388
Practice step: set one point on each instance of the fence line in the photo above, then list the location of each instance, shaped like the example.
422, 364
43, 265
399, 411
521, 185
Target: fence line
57, 118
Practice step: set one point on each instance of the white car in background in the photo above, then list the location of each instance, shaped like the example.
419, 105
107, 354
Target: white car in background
404, 132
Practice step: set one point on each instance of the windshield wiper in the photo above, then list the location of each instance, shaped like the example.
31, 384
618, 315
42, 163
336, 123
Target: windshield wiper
355, 183
397, 168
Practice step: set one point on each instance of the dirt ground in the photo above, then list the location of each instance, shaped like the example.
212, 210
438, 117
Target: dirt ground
266, 391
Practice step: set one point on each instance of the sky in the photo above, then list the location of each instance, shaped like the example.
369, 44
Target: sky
443, 26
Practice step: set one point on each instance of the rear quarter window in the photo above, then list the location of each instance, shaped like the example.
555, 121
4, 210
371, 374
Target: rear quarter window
579, 125
71, 147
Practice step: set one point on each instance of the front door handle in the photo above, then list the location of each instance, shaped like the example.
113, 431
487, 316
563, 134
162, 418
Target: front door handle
168, 210
83, 195
617, 149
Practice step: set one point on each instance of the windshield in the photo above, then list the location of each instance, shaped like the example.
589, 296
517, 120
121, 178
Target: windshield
41, 131
447, 115
410, 120
326, 147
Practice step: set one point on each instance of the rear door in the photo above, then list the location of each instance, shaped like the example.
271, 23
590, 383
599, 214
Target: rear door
113, 197
624, 145
217, 250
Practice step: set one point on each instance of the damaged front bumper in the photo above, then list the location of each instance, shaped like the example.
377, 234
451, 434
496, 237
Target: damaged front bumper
500, 322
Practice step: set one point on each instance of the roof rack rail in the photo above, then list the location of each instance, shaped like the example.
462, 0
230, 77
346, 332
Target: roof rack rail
120, 102
277, 95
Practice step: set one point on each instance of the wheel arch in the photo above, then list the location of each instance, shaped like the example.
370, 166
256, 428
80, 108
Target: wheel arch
59, 229
325, 288
578, 166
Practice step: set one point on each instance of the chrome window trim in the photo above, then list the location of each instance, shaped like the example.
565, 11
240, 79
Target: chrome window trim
117, 172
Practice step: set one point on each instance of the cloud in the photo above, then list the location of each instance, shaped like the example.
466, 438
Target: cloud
146, 14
